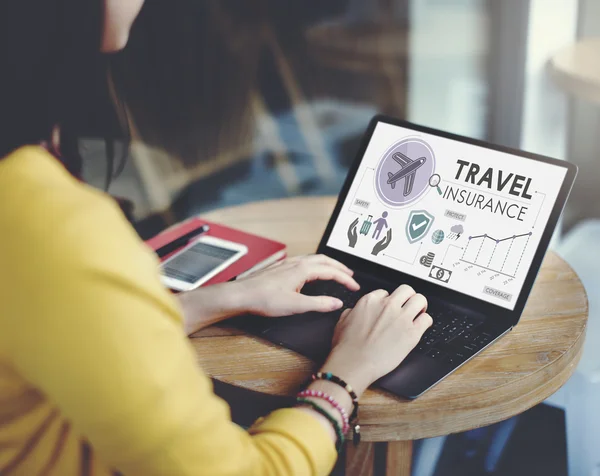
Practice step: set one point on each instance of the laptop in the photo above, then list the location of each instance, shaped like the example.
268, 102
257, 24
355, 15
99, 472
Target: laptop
464, 222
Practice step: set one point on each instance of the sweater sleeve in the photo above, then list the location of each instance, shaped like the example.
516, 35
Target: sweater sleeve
94, 330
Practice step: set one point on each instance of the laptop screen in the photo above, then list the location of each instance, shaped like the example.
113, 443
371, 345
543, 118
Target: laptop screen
452, 213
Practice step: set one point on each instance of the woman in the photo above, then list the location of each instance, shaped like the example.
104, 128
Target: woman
96, 373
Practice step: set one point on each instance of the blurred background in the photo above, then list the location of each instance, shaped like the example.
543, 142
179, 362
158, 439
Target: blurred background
303, 80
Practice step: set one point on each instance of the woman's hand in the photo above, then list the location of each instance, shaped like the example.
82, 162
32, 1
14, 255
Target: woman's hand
275, 291
372, 339
272, 292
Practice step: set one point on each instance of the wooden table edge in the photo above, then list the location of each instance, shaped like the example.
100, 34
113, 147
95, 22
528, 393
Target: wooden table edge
521, 403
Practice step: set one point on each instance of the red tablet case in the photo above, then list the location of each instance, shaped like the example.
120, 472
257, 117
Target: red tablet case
261, 251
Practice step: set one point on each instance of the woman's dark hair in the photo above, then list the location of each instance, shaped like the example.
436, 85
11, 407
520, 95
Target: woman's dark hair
186, 76
53, 74
188, 73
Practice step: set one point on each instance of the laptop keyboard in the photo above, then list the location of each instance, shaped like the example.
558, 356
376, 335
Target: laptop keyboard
453, 338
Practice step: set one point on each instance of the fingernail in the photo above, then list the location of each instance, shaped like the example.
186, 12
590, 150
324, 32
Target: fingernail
336, 304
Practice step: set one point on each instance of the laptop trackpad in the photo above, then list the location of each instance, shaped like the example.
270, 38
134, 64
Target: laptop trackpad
413, 376
308, 334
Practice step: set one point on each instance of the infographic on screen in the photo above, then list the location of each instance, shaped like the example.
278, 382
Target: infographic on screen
456, 214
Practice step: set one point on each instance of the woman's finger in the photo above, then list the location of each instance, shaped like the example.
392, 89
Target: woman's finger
402, 294
325, 272
423, 322
377, 294
323, 259
345, 314
301, 303
415, 305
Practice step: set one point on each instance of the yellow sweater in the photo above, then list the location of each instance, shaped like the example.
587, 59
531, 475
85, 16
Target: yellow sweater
96, 374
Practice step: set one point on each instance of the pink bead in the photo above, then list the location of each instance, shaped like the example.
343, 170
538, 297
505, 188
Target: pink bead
332, 401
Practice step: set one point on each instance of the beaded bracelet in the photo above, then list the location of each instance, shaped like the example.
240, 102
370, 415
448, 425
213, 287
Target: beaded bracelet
333, 402
354, 416
338, 381
336, 426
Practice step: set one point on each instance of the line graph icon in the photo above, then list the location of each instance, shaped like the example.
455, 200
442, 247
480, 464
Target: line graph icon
500, 255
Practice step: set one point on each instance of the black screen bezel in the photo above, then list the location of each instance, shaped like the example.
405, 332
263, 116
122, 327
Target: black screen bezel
510, 317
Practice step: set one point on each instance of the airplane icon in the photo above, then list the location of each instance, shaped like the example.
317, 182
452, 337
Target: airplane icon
408, 171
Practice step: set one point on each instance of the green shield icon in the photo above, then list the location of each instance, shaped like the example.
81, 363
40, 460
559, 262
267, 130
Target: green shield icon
418, 224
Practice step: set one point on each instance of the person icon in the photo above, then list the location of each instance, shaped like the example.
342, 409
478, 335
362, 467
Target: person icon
380, 223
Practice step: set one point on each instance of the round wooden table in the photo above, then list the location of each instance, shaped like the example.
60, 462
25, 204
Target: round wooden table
522, 369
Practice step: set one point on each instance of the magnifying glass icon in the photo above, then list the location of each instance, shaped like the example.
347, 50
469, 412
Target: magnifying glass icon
434, 181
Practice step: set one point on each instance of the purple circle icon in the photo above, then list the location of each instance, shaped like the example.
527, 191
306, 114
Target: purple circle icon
403, 173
